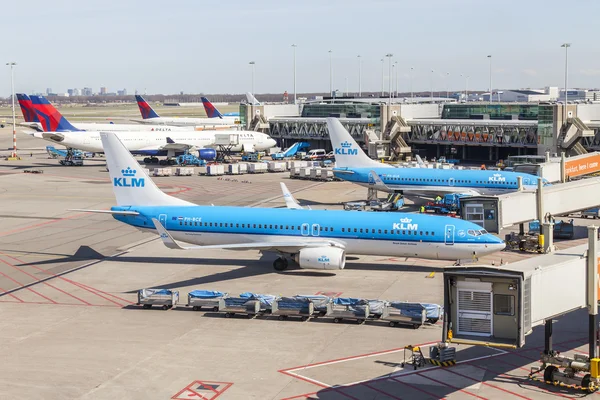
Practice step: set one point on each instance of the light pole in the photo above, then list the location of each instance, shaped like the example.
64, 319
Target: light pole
389, 56
346, 79
396, 66
12, 89
491, 96
330, 74
431, 93
294, 46
447, 90
359, 75
566, 46
252, 63
410, 81
382, 90
466, 86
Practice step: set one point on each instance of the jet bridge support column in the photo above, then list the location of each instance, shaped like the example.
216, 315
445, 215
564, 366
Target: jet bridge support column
548, 337
563, 170
592, 290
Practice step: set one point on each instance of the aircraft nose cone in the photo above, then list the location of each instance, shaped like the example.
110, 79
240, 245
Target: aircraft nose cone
271, 142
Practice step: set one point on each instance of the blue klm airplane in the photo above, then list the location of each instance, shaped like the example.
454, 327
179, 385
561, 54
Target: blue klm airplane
353, 165
315, 239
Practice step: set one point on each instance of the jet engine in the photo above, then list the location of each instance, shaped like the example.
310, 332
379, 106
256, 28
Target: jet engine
207, 154
321, 258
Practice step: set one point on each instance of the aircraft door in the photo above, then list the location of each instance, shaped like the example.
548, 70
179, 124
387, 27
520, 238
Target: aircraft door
316, 229
451, 181
526, 180
449, 235
162, 218
304, 229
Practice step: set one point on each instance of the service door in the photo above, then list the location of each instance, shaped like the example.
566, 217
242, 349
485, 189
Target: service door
316, 229
474, 312
449, 236
451, 182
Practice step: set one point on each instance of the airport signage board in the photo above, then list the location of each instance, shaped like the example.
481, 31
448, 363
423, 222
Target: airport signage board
582, 165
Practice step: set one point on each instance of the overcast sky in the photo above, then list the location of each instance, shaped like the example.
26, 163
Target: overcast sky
205, 46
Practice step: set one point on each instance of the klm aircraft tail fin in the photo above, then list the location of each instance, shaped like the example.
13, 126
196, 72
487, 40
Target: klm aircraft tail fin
347, 152
131, 184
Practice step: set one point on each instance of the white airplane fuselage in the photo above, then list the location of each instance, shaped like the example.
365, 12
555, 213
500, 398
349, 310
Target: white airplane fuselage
188, 121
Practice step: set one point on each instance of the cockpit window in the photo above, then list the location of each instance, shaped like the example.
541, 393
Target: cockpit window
483, 232
471, 232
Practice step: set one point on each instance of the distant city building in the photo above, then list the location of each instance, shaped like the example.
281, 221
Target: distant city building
122, 92
49, 91
523, 95
103, 90
70, 92
580, 95
87, 91
76, 92
136, 92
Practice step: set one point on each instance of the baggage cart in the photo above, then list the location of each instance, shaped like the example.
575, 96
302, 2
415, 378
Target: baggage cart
321, 304
240, 305
285, 307
348, 309
433, 312
398, 316
158, 297
207, 299
266, 300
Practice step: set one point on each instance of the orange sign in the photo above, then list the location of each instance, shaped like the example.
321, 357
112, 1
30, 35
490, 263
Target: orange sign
583, 165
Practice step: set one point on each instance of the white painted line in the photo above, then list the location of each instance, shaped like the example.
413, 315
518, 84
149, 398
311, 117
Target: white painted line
316, 382
391, 375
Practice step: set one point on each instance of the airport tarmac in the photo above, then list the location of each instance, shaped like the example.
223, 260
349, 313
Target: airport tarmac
69, 328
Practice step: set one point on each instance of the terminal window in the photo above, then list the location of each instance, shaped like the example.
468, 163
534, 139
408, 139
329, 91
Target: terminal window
504, 304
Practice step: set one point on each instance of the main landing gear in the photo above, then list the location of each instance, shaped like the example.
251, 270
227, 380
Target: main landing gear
280, 264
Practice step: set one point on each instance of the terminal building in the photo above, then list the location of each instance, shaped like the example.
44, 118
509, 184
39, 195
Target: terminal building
435, 127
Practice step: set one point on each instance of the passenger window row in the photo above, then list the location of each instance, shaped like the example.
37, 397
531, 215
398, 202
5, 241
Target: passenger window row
392, 231
253, 226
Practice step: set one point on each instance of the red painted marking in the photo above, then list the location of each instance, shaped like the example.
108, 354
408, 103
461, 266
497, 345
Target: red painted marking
30, 289
381, 391
192, 390
12, 295
435, 396
486, 384
41, 224
330, 294
81, 285
450, 386
45, 283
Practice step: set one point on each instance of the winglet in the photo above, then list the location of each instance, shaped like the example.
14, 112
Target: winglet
211, 110
420, 161
165, 236
376, 183
290, 201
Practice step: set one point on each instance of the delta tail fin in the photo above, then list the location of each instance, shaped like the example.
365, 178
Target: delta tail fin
50, 118
211, 110
347, 152
131, 184
145, 109
29, 114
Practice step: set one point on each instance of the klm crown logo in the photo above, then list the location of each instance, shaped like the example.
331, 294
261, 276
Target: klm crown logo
128, 179
128, 172
405, 224
346, 149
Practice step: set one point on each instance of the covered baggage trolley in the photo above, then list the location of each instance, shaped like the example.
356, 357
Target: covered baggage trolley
293, 306
265, 300
206, 298
321, 303
158, 297
240, 305
349, 309
413, 314
433, 311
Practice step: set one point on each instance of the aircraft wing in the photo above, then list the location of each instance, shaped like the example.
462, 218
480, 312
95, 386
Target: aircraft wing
290, 201
172, 145
288, 245
433, 190
105, 211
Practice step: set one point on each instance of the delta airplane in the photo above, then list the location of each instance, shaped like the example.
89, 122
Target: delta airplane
32, 121
315, 239
353, 165
149, 116
212, 112
151, 143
